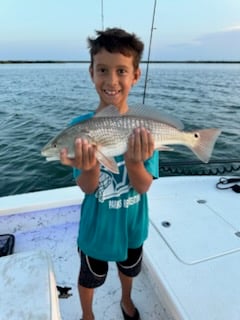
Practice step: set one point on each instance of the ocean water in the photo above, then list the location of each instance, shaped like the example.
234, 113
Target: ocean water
38, 100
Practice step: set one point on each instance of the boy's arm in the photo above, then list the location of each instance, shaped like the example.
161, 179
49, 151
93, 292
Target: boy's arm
140, 148
139, 177
88, 180
86, 161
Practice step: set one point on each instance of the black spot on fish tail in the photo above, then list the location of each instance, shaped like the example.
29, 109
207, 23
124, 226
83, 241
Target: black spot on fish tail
205, 141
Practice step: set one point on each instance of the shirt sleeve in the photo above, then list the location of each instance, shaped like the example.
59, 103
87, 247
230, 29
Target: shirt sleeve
76, 173
81, 118
152, 164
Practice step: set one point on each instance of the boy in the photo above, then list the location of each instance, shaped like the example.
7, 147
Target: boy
114, 216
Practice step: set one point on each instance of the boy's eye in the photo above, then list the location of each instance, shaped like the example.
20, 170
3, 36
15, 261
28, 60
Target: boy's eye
101, 70
122, 71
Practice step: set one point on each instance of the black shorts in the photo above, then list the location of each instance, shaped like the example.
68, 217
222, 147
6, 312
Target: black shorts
93, 272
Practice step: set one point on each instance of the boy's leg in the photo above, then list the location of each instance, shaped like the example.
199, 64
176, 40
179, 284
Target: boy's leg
92, 274
86, 299
126, 301
127, 270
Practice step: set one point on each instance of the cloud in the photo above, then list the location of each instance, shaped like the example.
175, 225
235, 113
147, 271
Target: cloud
232, 28
221, 45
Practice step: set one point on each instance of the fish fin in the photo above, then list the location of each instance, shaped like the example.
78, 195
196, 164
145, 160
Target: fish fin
205, 142
152, 113
144, 111
107, 162
164, 148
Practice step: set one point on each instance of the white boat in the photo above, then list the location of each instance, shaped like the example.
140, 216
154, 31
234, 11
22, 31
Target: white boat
191, 256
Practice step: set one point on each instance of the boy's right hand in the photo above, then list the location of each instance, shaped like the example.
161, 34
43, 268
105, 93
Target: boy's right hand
85, 158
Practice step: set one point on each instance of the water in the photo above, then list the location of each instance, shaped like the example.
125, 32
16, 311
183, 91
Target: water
38, 100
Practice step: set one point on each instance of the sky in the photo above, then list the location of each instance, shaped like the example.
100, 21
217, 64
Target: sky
58, 29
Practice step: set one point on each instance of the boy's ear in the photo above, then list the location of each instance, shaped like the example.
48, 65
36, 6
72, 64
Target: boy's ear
137, 74
91, 72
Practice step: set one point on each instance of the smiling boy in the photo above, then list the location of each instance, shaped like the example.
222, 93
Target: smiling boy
114, 212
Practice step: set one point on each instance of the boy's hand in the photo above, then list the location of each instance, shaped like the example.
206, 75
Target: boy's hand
140, 145
85, 158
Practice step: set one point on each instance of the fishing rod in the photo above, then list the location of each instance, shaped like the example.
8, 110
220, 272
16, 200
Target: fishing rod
102, 14
149, 50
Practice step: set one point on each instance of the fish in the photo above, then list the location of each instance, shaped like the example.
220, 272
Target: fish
108, 131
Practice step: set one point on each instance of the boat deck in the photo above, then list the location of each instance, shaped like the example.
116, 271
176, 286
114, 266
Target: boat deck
54, 230
191, 256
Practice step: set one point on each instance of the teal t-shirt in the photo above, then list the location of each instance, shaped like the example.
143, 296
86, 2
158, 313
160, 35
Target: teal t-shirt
114, 217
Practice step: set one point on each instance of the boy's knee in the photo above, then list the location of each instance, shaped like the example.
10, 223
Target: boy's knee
131, 267
93, 272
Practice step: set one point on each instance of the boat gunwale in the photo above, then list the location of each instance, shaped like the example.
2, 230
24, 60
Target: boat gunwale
40, 200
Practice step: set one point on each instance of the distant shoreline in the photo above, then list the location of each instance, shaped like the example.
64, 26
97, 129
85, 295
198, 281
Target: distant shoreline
144, 61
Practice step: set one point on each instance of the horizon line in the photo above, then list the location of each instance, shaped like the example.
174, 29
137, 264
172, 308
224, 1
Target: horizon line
88, 61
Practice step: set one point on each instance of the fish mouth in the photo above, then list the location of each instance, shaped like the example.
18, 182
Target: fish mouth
50, 154
47, 151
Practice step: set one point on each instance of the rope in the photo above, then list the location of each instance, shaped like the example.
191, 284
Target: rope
218, 167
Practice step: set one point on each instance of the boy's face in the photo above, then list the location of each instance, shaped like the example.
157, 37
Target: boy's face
113, 75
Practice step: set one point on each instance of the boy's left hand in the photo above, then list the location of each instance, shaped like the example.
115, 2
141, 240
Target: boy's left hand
140, 145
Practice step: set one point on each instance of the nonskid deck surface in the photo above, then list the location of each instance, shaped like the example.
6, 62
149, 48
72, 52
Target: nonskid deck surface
55, 231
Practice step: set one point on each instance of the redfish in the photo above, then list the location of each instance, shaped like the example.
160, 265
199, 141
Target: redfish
109, 132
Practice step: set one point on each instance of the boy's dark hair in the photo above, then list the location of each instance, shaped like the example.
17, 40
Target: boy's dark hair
116, 40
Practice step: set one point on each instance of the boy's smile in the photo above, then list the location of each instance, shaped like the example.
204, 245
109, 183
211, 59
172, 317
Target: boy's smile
111, 93
113, 75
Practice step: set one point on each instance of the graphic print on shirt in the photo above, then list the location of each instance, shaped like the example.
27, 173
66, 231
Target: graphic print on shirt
110, 186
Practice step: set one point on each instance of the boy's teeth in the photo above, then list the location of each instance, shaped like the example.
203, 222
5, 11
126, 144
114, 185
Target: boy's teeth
110, 92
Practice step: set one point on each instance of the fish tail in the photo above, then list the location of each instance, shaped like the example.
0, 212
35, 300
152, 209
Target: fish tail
204, 143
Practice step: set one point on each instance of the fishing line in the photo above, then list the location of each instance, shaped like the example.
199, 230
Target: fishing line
149, 50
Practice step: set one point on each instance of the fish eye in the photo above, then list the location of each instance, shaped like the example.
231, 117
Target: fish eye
196, 135
54, 145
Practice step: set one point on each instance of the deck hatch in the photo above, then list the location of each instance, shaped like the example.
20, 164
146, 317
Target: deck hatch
196, 230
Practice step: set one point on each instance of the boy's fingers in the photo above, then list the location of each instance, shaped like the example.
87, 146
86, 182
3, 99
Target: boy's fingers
64, 158
78, 146
144, 142
140, 145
